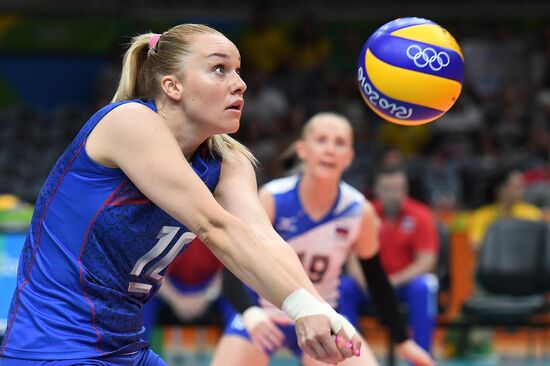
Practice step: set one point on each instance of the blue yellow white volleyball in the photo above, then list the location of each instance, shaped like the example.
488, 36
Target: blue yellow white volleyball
410, 71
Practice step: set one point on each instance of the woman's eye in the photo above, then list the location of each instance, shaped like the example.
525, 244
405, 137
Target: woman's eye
219, 69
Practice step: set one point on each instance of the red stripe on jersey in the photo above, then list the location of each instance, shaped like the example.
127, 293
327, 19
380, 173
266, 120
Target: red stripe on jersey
130, 201
80, 258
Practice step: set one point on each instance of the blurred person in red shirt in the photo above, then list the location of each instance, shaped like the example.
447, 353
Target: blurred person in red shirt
409, 247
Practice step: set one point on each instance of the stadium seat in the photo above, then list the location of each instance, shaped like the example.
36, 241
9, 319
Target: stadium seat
513, 270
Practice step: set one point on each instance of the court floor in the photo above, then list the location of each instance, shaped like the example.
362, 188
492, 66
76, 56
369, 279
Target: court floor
494, 360
181, 346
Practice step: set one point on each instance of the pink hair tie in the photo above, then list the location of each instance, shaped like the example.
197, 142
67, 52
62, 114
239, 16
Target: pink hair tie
154, 40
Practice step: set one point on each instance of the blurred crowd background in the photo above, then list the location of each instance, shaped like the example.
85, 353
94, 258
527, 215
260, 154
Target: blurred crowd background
59, 63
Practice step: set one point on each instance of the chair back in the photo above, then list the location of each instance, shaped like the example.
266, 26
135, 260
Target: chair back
511, 260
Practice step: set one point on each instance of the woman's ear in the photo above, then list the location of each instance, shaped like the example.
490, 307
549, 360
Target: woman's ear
171, 87
300, 149
350, 158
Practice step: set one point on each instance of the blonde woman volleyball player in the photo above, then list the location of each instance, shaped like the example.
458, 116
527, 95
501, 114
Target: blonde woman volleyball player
323, 219
142, 177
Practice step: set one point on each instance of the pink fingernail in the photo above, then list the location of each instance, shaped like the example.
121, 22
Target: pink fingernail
358, 352
350, 345
337, 339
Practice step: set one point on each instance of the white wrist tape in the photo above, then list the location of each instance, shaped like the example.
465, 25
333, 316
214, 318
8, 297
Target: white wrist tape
301, 303
253, 316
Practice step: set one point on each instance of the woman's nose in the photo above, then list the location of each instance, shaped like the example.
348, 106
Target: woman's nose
239, 86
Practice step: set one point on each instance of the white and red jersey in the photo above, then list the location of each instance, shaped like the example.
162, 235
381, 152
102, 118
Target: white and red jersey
322, 245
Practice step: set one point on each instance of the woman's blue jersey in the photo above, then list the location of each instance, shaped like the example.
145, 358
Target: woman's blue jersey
97, 250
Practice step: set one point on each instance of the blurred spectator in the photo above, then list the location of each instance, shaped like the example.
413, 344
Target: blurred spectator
506, 188
409, 248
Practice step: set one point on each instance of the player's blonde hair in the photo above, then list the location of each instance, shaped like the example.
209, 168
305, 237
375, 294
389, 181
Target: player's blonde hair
308, 126
144, 65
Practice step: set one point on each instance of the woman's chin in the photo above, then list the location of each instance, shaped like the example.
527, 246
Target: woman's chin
326, 173
234, 127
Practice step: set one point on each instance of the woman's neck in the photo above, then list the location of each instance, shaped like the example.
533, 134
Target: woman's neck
187, 138
187, 134
317, 195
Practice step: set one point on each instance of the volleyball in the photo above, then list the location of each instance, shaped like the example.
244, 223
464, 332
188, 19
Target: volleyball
410, 71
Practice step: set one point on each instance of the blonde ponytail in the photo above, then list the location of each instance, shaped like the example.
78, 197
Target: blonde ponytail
132, 76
